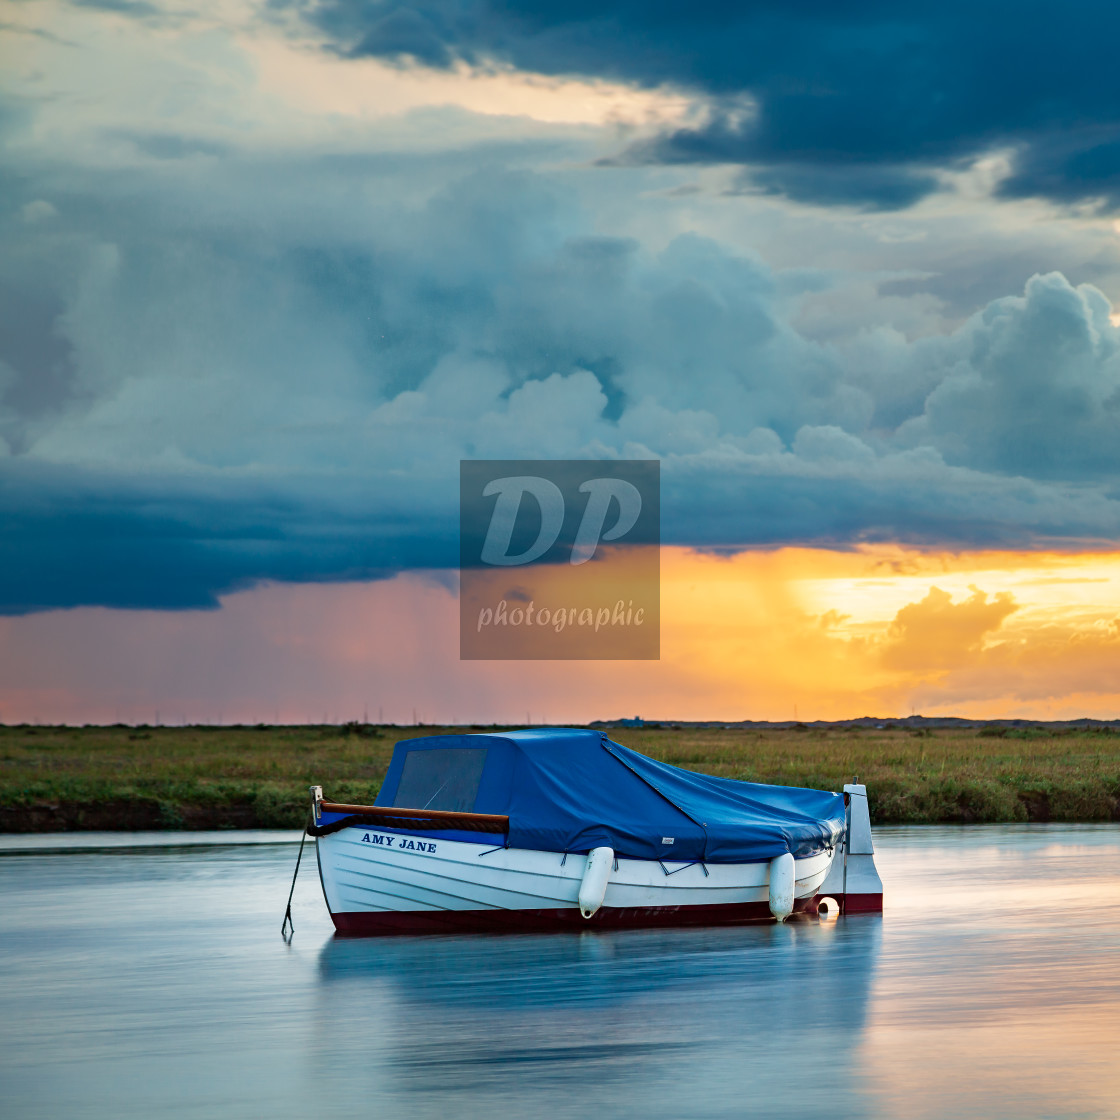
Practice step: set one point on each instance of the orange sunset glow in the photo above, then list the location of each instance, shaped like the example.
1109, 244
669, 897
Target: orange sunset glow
889, 631
790, 633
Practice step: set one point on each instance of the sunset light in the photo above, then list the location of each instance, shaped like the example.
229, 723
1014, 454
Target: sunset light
559, 559
780, 635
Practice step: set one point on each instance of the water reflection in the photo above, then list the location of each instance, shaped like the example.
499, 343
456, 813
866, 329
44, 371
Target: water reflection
689, 1022
143, 982
999, 991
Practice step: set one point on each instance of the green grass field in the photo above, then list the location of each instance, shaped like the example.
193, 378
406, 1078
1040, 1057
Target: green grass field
54, 778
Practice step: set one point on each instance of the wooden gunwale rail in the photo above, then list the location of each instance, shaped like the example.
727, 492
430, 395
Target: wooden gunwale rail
474, 822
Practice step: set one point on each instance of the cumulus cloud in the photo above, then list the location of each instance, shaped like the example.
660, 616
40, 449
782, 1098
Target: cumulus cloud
226, 407
225, 361
1034, 388
937, 633
830, 444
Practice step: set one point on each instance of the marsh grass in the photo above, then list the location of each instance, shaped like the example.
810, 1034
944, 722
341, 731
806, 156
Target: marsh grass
175, 777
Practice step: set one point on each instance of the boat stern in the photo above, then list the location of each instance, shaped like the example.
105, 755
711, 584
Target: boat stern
853, 880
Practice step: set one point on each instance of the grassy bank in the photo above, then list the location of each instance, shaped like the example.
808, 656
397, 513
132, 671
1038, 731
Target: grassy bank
56, 778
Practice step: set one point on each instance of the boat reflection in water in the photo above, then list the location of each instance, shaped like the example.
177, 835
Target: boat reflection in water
684, 1022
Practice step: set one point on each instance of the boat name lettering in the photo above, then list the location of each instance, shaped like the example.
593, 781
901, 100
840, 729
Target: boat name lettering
405, 842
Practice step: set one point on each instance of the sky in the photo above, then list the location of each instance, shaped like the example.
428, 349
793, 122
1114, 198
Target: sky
270, 270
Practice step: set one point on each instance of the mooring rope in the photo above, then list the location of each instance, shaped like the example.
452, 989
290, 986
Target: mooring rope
288, 912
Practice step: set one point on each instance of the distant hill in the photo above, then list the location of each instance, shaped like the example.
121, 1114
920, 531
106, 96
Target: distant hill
873, 722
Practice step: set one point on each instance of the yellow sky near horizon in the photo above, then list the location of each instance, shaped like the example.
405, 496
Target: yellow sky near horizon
771, 634
890, 630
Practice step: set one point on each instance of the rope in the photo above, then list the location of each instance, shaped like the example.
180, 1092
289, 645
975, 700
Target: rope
288, 913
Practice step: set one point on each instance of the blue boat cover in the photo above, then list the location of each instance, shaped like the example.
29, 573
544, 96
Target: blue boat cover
568, 790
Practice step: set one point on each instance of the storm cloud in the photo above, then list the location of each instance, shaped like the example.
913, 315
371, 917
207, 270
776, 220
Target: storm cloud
855, 104
215, 409
231, 355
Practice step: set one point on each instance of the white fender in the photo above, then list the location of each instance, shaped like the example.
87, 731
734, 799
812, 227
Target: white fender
593, 886
783, 876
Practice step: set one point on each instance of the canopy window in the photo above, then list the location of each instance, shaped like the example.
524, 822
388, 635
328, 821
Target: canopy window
441, 779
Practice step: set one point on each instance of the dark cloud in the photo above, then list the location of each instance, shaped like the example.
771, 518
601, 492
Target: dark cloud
75, 538
1078, 167
874, 187
832, 88
865, 185
405, 33
72, 539
269, 368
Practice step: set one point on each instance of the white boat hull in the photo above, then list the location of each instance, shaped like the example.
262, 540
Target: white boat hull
386, 881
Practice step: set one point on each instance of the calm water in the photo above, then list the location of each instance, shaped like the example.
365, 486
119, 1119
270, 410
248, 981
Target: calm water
140, 981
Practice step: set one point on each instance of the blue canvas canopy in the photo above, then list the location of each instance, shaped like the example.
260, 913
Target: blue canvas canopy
567, 790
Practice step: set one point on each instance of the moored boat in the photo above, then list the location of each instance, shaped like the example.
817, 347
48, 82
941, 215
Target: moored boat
555, 828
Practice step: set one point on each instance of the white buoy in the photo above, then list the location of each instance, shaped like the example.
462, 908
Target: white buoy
594, 884
782, 881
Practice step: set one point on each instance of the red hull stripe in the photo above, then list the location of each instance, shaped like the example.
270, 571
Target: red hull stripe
448, 921
862, 903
